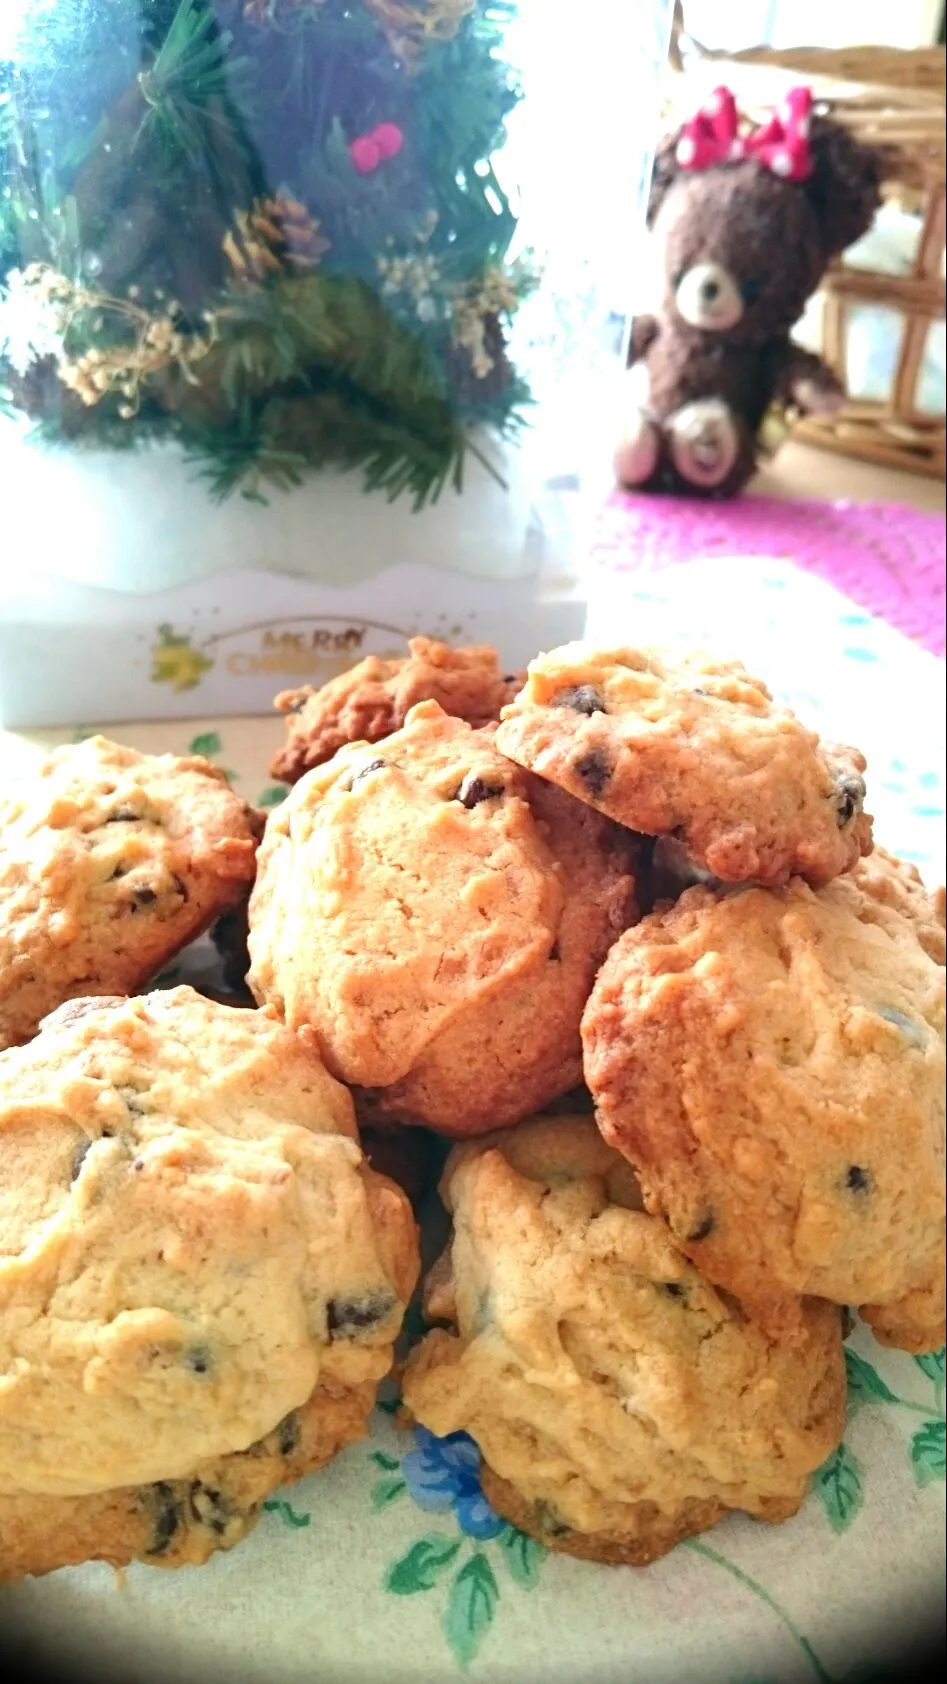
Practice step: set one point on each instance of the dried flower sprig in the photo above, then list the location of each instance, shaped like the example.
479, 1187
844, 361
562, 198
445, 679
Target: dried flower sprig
157, 340
497, 293
413, 25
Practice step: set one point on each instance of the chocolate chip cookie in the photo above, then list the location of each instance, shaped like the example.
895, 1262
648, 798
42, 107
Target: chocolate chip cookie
620, 1403
894, 883
192, 1250
181, 1522
437, 917
696, 750
374, 698
772, 1063
110, 862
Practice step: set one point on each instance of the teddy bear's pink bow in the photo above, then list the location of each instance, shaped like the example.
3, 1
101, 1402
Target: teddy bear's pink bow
781, 145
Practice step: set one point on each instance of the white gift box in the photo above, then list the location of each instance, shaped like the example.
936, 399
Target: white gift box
128, 594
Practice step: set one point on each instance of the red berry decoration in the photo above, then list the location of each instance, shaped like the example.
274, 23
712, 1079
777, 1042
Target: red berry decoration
365, 154
388, 138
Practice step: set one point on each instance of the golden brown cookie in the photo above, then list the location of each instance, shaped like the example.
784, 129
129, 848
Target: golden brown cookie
110, 862
694, 749
437, 918
620, 1403
373, 699
181, 1522
772, 1063
191, 1247
896, 884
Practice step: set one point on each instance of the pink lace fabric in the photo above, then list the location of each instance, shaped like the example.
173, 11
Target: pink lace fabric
887, 558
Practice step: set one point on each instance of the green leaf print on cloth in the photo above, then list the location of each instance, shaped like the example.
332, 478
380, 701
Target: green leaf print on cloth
865, 1384
838, 1483
272, 796
927, 1453
838, 1486
207, 743
522, 1556
287, 1514
423, 1564
933, 1366
474, 1595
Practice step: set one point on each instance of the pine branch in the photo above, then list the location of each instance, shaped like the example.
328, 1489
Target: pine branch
187, 89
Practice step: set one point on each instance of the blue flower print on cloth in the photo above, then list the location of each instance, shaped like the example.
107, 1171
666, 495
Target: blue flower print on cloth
444, 1473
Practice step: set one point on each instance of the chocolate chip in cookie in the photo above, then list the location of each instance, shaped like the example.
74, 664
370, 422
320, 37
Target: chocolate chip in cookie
858, 1180
348, 1318
581, 698
702, 1230
473, 790
376, 765
850, 797
288, 1433
209, 1507
594, 771
165, 1499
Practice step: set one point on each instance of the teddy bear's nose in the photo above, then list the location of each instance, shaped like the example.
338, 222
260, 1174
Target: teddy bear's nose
709, 291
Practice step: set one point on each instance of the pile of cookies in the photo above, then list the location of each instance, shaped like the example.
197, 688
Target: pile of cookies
617, 928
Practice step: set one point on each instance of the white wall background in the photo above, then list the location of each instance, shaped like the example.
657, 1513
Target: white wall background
813, 23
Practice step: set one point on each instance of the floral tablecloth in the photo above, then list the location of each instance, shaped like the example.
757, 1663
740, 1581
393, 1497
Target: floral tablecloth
389, 1565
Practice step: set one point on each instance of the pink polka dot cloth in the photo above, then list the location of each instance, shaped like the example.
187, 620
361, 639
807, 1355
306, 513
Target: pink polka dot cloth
887, 558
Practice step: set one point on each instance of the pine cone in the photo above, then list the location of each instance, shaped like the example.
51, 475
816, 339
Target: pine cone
273, 236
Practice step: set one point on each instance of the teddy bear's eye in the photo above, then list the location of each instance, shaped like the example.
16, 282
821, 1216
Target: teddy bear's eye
750, 291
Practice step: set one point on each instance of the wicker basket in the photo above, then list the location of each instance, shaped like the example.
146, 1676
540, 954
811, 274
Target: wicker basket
895, 101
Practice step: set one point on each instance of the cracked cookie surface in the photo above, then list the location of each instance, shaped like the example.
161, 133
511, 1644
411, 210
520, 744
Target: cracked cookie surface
695, 749
772, 1063
374, 698
437, 917
191, 1247
619, 1401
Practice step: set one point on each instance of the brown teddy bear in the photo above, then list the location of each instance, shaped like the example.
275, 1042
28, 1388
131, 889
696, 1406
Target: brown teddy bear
746, 223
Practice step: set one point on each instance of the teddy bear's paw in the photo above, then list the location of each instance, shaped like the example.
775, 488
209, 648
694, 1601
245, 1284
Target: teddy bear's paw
703, 441
637, 455
816, 398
